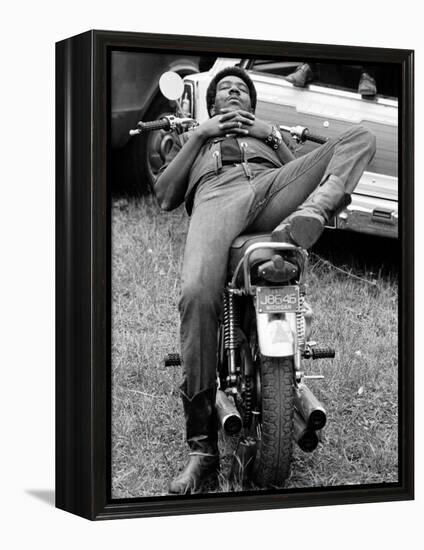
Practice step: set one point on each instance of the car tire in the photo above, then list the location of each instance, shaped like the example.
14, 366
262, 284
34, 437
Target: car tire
154, 146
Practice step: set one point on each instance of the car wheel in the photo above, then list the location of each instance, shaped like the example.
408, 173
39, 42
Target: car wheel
156, 145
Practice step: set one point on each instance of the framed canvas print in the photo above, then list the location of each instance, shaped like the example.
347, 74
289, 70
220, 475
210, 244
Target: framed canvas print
234, 274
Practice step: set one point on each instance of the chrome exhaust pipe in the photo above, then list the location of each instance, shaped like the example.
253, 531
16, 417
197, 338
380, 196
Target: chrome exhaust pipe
228, 415
310, 408
306, 438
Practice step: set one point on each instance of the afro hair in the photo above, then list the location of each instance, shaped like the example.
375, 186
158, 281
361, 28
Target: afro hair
235, 71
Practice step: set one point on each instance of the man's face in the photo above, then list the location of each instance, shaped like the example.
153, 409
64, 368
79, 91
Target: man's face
231, 93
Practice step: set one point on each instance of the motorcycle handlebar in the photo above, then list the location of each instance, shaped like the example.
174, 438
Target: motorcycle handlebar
168, 123
316, 138
143, 127
301, 134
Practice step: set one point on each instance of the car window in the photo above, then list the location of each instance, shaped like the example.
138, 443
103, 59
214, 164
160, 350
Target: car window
335, 75
278, 68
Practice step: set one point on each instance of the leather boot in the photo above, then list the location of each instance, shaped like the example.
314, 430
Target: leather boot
304, 226
367, 86
301, 76
202, 436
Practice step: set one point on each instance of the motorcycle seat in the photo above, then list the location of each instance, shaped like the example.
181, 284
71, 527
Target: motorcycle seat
240, 245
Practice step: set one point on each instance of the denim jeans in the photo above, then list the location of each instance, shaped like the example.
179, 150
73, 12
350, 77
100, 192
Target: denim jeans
230, 203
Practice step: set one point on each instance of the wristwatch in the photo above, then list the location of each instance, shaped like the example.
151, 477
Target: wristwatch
274, 139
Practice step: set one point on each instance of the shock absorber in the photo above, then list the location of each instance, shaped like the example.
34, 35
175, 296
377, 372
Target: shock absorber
230, 333
300, 322
248, 400
300, 330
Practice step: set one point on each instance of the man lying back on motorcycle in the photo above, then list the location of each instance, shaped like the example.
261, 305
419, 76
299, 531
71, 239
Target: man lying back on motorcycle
237, 174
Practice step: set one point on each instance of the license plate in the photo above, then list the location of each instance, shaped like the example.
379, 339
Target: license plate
282, 299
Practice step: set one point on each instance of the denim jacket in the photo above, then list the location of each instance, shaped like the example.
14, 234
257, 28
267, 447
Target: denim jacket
209, 161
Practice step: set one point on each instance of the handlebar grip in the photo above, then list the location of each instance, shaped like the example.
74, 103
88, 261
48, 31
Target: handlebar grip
316, 138
161, 124
145, 127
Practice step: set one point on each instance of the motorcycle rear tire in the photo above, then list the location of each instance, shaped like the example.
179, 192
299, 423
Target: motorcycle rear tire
275, 447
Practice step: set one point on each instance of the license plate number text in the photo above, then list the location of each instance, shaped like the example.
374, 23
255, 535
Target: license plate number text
277, 299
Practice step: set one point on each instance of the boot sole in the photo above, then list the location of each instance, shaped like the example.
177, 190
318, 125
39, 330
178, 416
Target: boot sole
305, 230
281, 234
188, 490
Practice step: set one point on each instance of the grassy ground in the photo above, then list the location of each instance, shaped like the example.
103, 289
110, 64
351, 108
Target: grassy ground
355, 304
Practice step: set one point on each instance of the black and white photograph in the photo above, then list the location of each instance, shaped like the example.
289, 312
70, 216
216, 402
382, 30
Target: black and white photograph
254, 263
210, 277
234, 275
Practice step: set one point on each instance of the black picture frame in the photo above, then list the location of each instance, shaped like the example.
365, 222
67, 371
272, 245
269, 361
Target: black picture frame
83, 385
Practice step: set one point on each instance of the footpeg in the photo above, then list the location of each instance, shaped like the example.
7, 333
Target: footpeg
323, 352
319, 352
172, 360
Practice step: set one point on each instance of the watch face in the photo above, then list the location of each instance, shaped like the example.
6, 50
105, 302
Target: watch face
278, 134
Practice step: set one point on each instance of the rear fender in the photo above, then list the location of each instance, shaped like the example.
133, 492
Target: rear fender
277, 335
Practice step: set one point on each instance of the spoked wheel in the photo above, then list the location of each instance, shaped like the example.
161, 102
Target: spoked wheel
273, 397
155, 146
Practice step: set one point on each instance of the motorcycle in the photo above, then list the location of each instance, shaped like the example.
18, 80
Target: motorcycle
264, 340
